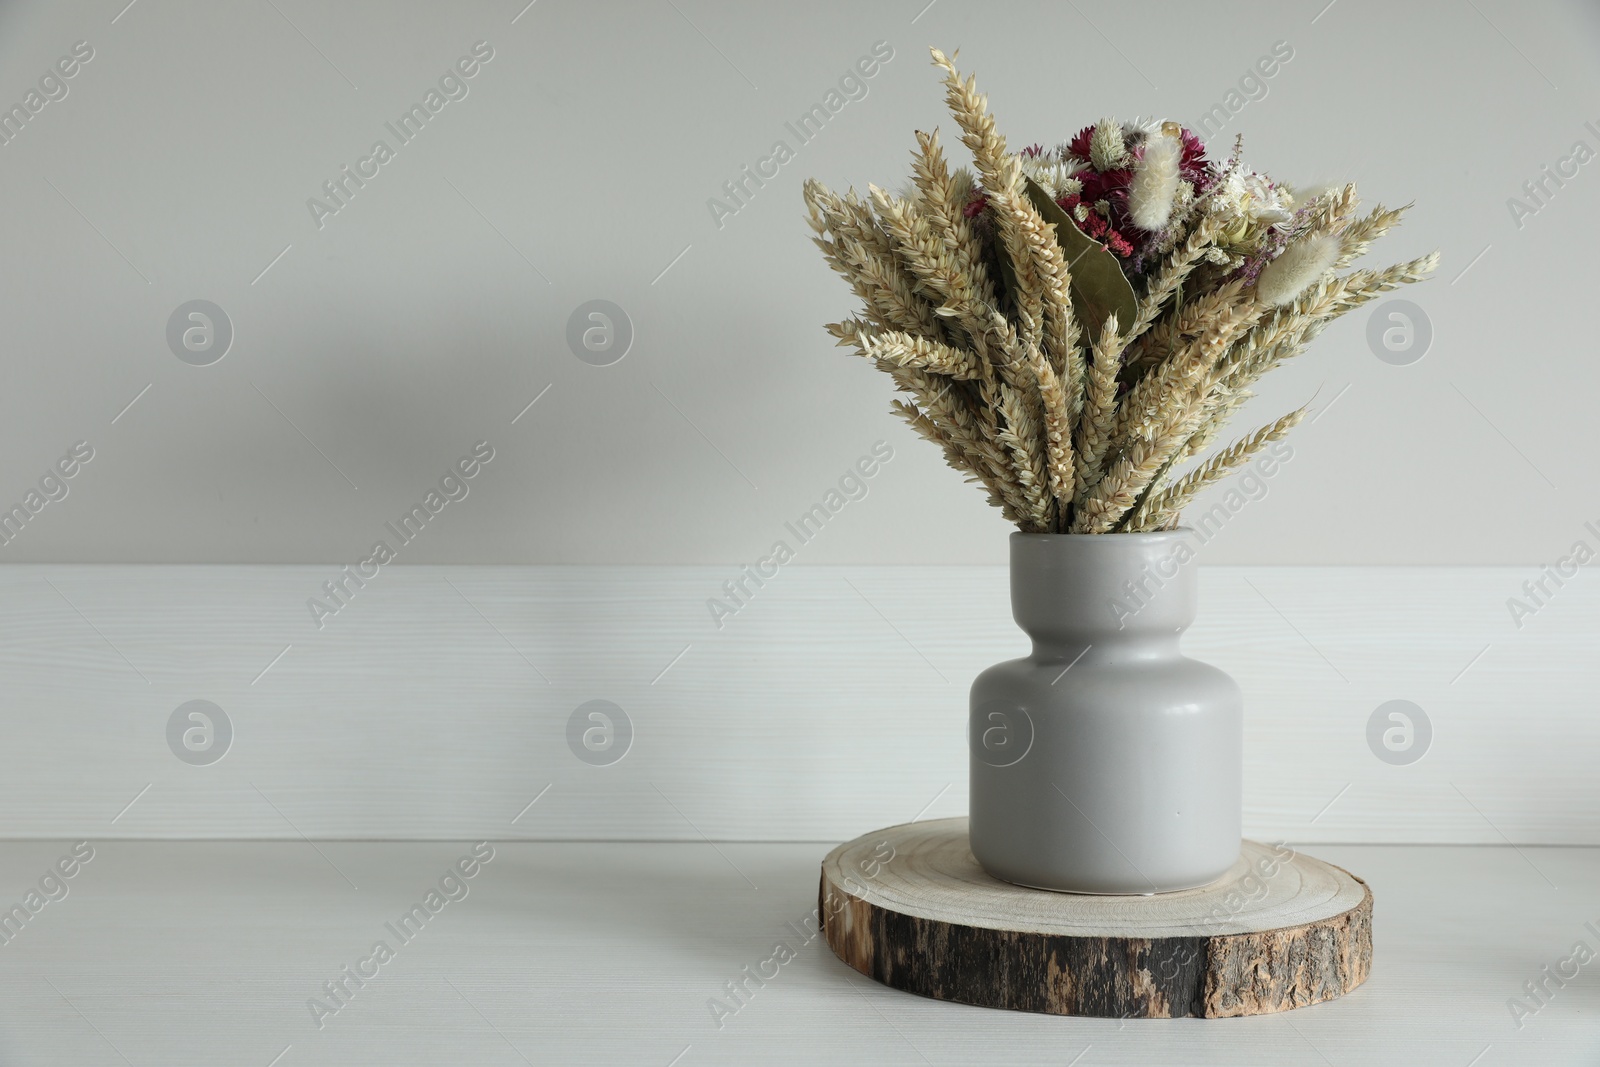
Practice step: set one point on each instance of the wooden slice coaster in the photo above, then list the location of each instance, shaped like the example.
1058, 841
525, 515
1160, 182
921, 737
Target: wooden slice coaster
910, 907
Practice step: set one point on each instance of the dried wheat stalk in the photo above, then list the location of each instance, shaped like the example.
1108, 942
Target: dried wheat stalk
1099, 409
969, 304
1162, 507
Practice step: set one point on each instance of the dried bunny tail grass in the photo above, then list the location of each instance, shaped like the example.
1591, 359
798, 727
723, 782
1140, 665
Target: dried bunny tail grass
1290, 329
1021, 436
1154, 188
1099, 409
1160, 508
1277, 333
1304, 263
1315, 250
1359, 235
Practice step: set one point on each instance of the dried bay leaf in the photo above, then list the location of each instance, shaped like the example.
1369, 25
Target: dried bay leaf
1099, 287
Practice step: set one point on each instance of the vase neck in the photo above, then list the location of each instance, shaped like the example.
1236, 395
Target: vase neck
1133, 593
1103, 647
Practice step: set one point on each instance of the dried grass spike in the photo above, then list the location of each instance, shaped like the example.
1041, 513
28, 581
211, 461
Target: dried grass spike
1299, 267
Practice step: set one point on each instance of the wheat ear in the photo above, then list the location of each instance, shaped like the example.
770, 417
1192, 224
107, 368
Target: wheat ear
1172, 500
1177, 267
941, 275
1099, 408
957, 457
944, 201
959, 415
906, 350
1131, 472
1021, 436
1002, 182
854, 245
1359, 235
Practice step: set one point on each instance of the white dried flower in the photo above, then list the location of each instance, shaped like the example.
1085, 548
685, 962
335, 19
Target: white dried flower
1054, 176
1107, 150
1154, 188
1253, 197
1184, 202
1297, 268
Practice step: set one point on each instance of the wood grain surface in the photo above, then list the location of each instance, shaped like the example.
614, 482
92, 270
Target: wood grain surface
911, 908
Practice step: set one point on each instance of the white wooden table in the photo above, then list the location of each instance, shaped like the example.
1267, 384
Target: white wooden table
207, 953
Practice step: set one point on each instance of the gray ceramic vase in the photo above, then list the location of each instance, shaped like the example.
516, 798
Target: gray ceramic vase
1106, 761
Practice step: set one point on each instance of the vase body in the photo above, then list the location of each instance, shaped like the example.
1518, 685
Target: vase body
1106, 761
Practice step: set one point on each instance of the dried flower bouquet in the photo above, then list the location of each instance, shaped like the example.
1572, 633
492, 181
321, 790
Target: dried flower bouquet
1074, 325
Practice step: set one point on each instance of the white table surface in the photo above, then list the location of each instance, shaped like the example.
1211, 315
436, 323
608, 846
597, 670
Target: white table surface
176, 953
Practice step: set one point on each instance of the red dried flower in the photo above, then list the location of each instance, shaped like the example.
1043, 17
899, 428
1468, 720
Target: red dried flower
1097, 226
1108, 191
1194, 167
1079, 145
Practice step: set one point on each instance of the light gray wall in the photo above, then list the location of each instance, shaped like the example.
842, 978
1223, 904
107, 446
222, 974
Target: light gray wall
427, 313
